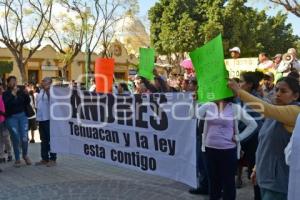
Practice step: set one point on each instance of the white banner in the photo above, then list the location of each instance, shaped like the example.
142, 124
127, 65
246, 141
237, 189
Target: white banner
151, 133
236, 66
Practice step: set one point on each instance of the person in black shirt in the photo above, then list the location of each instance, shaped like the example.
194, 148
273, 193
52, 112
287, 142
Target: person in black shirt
16, 100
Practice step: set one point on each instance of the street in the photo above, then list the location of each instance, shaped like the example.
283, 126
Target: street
78, 178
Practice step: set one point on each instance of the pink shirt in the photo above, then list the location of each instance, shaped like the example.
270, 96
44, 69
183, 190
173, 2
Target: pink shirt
220, 130
2, 108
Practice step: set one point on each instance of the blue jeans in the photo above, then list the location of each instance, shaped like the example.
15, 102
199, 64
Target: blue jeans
271, 195
17, 125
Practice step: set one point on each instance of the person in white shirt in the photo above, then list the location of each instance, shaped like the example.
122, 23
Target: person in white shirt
43, 117
295, 64
264, 63
93, 86
289, 63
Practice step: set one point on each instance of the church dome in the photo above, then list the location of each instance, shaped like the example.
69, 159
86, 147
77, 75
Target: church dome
131, 32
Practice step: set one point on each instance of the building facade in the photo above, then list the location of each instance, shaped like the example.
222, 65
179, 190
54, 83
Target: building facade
46, 62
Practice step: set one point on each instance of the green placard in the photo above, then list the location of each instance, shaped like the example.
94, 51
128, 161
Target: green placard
210, 70
146, 63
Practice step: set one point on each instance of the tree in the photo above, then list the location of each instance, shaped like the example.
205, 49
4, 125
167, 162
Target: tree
254, 31
67, 33
292, 6
94, 29
100, 19
24, 25
177, 29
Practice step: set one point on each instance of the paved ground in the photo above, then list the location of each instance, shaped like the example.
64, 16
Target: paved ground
76, 178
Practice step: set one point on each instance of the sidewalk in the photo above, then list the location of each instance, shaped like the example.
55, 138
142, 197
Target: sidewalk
77, 178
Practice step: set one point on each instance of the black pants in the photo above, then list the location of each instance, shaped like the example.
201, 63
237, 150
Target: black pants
202, 168
221, 167
44, 129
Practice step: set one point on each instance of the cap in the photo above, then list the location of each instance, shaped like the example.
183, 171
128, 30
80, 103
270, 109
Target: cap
277, 55
236, 49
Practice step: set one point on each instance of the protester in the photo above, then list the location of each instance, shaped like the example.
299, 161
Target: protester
36, 91
221, 143
15, 101
265, 64
139, 86
289, 63
294, 74
268, 87
249, 82
271, 172
295, 64
184, 85
32, 126
235, 52
4, 134
93, 85
192, 85
123, 89
276, 60
160, 85
43, 117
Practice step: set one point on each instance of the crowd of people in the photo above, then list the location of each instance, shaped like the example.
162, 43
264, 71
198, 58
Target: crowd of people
256, 139
24, 108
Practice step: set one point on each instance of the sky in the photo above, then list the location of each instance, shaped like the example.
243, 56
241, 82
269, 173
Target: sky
145, 5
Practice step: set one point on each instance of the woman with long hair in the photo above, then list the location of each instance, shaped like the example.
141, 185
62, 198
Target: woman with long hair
271, 172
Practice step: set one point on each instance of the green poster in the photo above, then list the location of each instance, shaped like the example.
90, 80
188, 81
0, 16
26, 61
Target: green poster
210, 70
146, 63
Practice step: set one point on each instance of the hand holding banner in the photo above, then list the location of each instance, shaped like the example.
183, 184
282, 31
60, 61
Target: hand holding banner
210, 70
146, 63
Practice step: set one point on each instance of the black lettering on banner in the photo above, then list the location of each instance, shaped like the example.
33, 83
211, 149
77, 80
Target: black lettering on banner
90, 106
126, 137
94, 133
75, 103
164, 145
94, 151
155, 101
86, 149
141, 141
106, 111
140, 109
98, 108
110, 104
124, 111
134, 159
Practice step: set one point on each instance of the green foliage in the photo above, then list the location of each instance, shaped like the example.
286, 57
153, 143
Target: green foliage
183, 25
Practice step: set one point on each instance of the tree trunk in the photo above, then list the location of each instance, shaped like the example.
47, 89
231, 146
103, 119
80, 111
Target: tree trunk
89, 60
21, 67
